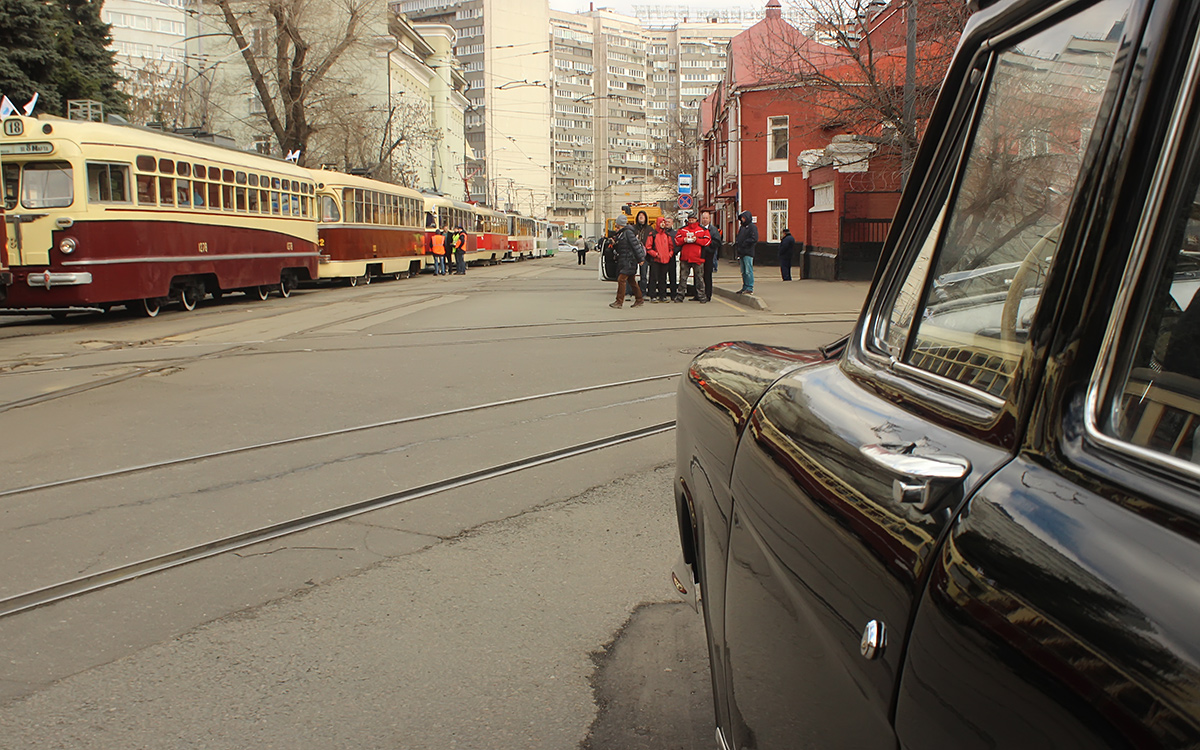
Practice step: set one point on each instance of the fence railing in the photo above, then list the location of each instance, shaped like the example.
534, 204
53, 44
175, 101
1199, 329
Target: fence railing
856, 231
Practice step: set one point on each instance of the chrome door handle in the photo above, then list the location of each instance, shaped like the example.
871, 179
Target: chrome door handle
922, 478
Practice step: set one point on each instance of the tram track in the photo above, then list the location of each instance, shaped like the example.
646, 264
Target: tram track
175, 462
113, 576
250, 348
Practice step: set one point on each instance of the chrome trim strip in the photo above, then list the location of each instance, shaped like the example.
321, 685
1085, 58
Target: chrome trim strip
186, 258
47, 279
1102, 374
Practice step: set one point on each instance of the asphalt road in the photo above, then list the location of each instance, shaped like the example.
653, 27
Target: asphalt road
528, 610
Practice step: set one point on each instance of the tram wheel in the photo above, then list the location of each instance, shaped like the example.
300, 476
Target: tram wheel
189, 297
148, 308
286, 285
59, 315
264, 291
354, 280
366, 279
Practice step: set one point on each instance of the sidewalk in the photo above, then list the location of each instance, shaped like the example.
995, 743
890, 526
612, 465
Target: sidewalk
800, 295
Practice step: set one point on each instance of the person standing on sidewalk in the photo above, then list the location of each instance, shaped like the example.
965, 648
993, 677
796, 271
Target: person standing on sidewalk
642, 228
711, 252
692, 239
660, 254
787, 246
631, 253
747, 240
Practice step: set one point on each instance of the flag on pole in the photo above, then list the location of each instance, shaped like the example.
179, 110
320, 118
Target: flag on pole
293, 156
6, 108
32, 103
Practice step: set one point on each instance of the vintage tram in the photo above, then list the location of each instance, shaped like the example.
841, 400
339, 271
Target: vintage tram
491, 236
367, 228
102, 214
523, 237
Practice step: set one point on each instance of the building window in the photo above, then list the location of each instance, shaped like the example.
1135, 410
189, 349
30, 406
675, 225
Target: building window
777, 219
822, 197
777, 144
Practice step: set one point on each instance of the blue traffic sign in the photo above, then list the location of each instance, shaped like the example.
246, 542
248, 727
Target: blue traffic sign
685, 201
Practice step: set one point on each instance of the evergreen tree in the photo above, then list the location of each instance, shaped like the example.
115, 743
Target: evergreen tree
58, 49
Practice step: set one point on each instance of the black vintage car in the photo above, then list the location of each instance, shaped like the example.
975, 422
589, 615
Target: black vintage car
976, 523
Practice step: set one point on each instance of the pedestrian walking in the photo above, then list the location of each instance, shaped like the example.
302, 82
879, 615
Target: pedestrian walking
460, 251
660, 256
743, 245
630, 254
582, 250
712, 252
438, 248
692, 239
787, 245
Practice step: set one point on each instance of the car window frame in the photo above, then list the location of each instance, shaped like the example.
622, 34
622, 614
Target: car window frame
1150, 242
955, 400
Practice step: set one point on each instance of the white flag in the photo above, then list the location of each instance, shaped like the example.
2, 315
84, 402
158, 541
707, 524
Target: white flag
32, 103
293, 156
7, 108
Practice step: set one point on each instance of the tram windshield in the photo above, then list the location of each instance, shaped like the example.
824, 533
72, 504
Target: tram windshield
329, 209
42, 184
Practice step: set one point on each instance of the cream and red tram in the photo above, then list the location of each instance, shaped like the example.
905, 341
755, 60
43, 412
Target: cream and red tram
491, 240
368, 228
105, 214
523, 237
442, 212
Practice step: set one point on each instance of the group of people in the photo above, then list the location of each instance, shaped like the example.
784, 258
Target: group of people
445, 241
647, 257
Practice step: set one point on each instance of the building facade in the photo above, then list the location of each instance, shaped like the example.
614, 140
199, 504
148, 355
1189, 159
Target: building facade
503, 50
148, 37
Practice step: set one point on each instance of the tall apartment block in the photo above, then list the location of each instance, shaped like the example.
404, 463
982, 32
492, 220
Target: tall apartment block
504, 51
626, 94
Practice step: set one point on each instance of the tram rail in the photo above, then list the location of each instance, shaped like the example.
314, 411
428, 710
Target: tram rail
157, 563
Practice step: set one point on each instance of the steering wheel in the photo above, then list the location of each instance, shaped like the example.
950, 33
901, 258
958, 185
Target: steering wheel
1034, 263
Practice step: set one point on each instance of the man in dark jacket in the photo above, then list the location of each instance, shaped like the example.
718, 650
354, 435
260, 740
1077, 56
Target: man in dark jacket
747, 240
630, 254
787, 246
712, 251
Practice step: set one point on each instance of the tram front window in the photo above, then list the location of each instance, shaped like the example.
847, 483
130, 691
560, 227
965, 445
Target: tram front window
329, 209
47, 184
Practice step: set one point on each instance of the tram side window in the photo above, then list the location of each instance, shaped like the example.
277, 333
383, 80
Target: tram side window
227, 195
146, 189
286, 203
252, 200
166, 191
429, 220
240, 197
108, 183
183, 189
295, 205
274, 202
12, 185
214, 195
198, 193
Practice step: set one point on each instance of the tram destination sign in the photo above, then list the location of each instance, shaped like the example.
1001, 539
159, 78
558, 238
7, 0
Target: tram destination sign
16, 149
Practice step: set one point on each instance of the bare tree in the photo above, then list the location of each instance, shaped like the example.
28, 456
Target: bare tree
862, 66
290, 47
392, 146
675, 154
155, 89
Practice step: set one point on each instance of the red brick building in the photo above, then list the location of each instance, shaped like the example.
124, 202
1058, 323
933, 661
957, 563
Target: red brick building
803, 162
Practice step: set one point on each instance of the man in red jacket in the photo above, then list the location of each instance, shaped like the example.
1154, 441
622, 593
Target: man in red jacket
691, 241
660, 252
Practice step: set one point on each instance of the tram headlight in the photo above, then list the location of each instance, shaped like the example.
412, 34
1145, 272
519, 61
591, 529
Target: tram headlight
67, 246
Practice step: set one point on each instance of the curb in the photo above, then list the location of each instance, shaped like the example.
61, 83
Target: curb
752, 301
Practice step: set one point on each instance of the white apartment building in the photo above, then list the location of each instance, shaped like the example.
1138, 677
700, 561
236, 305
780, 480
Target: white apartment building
148, 37
626, 103
504, 52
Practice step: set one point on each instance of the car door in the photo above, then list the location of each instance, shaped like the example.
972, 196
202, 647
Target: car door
849, 475
1062, 610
